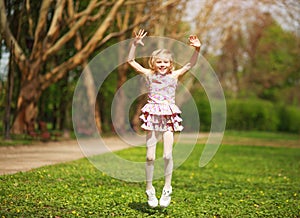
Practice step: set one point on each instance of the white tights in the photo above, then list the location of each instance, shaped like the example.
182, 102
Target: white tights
151, 141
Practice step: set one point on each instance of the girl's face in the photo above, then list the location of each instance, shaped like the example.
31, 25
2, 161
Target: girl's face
162, 66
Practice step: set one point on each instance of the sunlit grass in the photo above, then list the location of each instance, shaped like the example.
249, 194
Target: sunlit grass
263, 135
240, 181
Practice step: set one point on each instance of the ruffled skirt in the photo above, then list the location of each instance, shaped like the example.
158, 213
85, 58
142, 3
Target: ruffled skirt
161, 117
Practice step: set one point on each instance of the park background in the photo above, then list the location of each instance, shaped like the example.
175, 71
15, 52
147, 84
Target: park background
253, 47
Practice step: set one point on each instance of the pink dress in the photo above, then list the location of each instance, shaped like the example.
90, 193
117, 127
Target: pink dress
161, 113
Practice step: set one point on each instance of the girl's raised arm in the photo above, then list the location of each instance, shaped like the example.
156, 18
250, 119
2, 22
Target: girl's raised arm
195, 42
131, 56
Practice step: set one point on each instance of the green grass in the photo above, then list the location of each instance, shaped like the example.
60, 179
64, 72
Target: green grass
16, 140
241, 181
24, 139
263, 135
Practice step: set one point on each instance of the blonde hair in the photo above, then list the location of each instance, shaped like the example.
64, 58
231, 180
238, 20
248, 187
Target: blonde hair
161, 54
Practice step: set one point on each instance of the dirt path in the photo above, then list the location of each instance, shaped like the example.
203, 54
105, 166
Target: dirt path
15, 159
26, 157
22, 158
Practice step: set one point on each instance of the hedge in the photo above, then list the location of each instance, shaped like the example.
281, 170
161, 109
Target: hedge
289, 119
251, 114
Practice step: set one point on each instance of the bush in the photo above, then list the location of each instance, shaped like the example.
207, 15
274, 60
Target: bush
252, 115
205, 113
244, 114
203, 110
289, 119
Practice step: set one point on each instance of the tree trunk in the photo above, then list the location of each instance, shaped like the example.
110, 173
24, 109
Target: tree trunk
27, 106
136, 122
10, 87
62, 111
91, 95
120, 99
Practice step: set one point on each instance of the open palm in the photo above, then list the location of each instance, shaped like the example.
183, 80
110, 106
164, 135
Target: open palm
194, 41
139, 37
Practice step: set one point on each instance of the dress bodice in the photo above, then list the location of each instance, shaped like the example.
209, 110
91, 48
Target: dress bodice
161, 88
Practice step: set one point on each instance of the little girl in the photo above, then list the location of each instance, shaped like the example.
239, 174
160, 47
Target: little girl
160, 115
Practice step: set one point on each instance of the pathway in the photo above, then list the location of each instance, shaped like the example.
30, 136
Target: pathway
23, 158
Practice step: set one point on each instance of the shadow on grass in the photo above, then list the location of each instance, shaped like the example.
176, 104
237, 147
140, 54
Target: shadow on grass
144, 208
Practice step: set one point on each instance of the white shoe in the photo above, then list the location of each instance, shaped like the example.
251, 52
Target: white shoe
165, 199
152, 200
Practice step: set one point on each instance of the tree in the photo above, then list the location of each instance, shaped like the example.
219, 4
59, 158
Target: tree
279, 50
236, 41
46, 43
54, 25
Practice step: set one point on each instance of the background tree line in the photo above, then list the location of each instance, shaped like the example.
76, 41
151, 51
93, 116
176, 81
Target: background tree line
50, 42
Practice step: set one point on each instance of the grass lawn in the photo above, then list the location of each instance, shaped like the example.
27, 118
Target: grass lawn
241, 181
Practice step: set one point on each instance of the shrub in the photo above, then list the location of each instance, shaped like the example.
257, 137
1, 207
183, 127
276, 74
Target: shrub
252, 114
203, 108
244, 114
289, 119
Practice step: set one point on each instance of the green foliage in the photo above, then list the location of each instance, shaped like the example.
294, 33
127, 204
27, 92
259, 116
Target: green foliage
276, 64
241, 181
244, 114
204, 112
105, 98
278, 48
268, 136
289, 119
258, 114
251, 115
263, 65
16, 140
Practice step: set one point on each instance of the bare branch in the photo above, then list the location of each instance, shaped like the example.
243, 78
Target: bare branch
102, 4
70, 34
53, 31
101, 30
59, 71
30, 21
71, 12
97, 16
40, 28
135, 2
97, 40
10, 40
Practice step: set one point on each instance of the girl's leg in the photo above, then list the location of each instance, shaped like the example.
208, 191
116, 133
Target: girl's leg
151, 141
168, 139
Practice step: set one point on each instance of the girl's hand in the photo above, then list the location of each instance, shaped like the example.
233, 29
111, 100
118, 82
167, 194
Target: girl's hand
139, 36
194, 41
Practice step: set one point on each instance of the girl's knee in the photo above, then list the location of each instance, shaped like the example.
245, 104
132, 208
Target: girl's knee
150, 158
168, 156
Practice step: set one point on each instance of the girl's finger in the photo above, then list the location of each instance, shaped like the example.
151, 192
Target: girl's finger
193, 37
141, 32
144, 34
